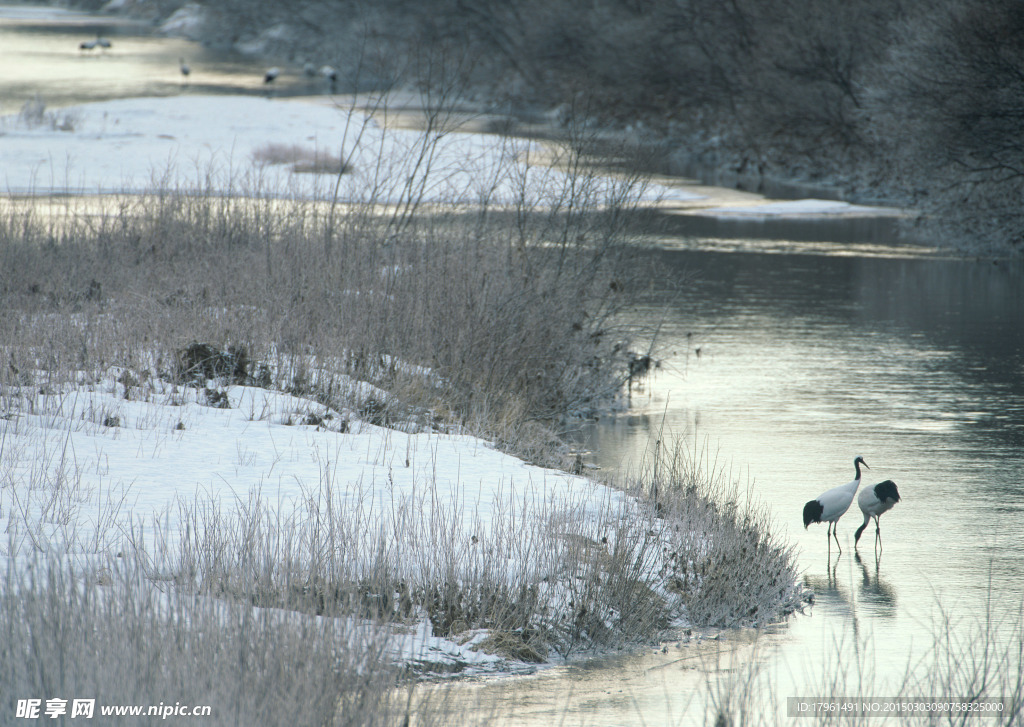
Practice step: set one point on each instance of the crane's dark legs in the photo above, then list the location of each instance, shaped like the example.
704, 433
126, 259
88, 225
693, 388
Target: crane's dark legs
831, 533
878, 534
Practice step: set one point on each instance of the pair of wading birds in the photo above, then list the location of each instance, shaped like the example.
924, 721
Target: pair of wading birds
271, 74
831, 505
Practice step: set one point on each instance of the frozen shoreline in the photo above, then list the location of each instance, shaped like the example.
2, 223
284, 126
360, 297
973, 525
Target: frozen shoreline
151, 458
257, 146
132, 146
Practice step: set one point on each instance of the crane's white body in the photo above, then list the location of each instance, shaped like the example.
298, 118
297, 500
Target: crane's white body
873, 502
832, 504
835, 502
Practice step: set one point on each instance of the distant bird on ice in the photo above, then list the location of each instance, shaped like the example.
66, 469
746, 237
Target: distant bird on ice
185, 69
873, 502
831, 505
330, 74
271, 74
99, 42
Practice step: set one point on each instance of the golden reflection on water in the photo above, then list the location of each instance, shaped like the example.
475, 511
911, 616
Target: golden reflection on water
663, 686
40, 55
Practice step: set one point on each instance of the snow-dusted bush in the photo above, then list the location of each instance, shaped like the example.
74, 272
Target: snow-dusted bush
723, 558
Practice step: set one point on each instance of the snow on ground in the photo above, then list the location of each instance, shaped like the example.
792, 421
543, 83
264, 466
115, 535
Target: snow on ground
221, 143
81, 466
800, 208
215, 142
178, 445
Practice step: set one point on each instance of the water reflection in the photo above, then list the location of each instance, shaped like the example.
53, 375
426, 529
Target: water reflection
876, 593
830, 594
841, 597
810, 359
659, 686
40, 52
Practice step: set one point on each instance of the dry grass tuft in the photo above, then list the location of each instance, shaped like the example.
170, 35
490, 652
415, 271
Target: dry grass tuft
301, 159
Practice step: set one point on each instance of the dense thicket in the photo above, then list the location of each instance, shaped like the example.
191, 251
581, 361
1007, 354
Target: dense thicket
906, 101
951, 114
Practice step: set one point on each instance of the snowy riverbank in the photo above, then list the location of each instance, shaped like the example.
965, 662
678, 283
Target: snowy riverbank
84, 466
294, 148
118, 457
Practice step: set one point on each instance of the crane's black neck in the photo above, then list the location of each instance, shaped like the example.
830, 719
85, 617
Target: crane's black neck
856, 464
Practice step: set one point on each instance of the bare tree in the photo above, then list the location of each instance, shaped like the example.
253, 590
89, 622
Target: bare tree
951, 112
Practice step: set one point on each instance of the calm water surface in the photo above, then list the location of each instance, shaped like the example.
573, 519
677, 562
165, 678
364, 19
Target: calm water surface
786, 350
40, 55
783, 361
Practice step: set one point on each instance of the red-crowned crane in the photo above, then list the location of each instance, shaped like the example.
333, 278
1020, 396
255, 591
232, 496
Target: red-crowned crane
184, 68
832, 504
873, 502
271, 74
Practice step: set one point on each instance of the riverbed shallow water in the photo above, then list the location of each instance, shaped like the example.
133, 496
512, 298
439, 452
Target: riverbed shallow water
779, 367
785, 349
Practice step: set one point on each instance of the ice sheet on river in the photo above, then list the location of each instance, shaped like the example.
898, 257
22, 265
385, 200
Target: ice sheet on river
239, 145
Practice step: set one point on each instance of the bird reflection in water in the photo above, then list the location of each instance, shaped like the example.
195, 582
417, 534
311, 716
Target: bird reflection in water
829, 593
875, 592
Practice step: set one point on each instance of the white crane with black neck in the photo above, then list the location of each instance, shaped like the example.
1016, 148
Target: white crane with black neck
832, 504
873, 502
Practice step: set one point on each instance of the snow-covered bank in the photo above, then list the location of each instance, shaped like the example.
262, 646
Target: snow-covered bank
798, 209
232, 144
241, 145
85, 465
475, 561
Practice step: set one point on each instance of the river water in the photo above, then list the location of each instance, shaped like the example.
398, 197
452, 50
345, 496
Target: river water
787, 362
781, 361
39, 48
785, 349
